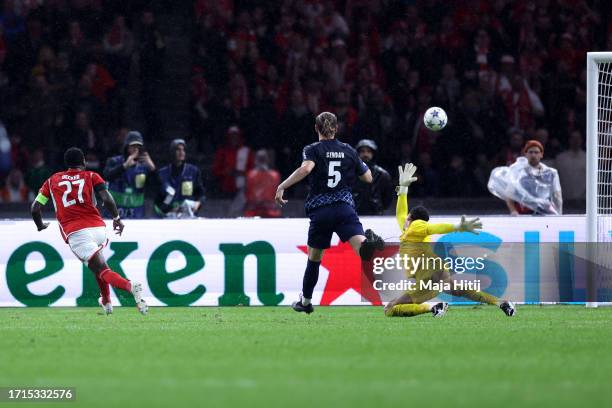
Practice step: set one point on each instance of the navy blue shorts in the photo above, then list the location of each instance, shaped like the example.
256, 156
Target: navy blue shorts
338, 217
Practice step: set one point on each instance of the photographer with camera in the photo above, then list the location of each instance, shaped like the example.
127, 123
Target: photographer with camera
127, 175
181, 190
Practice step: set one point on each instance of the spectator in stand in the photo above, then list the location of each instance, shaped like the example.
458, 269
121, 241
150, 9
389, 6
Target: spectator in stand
92, 162
571, 165
15, 189
483, 55
181, 188
232, 162
515, 147
151, 48
313, 93
101, 81
403, 86
4, 79
522, 104
448, 91
76, 46
20, 156
127, 176
260, 189
339, 67
405, 153
5, 152
295, 129
41, 109
457, 180
83, 135
24, 50
347, 116
422, 138
378, 118
482, 170
118, 45
333, 22
37, 173
537, 179
84, 100
61, 80
375, 197
428, 178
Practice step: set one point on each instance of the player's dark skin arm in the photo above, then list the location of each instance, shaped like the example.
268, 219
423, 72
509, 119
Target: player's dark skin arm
36, 211
109, 204
298, 175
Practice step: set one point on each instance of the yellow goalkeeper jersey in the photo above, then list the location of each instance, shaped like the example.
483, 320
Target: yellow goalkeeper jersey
418, 230
414, 240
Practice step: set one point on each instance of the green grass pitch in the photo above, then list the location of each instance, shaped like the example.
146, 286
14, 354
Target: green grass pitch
337, 357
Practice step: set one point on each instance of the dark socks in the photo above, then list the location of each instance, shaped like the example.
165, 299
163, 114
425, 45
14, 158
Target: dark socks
311, 276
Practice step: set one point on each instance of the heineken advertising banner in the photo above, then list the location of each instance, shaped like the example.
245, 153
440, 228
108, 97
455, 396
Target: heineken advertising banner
227, 262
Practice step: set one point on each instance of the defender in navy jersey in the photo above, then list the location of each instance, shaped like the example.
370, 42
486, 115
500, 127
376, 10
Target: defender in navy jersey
331, 167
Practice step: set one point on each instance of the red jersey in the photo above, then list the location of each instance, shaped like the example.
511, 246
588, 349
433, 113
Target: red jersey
72, 193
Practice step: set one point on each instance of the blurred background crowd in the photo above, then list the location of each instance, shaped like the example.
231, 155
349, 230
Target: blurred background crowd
241, 83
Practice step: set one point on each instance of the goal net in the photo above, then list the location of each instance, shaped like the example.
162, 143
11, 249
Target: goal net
599, 176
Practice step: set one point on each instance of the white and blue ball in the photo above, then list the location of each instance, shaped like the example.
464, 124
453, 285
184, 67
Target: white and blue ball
435, 118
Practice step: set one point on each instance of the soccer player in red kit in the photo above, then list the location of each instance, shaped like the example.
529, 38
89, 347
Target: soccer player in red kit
73, 195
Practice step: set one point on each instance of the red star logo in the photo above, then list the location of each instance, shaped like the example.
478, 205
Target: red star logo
346, 271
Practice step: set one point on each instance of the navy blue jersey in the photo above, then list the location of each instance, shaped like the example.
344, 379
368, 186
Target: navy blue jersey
337, 166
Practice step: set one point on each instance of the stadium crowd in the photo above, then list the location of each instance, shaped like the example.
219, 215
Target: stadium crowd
505, 72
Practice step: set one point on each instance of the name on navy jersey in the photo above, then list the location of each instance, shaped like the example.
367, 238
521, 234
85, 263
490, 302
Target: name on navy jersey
335, 155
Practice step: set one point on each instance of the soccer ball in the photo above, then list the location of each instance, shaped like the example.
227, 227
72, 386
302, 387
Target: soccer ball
435, 118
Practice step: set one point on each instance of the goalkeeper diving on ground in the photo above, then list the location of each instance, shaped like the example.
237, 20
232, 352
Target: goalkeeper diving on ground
414, 242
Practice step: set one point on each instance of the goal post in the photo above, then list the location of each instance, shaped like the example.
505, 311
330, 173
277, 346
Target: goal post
599, 165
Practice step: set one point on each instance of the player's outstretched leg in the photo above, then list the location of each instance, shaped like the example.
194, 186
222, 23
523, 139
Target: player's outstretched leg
98, 266
363, 245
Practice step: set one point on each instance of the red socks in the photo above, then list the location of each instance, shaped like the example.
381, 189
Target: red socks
115, 280
104, 290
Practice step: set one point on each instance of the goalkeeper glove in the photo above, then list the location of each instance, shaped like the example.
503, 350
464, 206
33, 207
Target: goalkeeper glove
406, 177
469, 225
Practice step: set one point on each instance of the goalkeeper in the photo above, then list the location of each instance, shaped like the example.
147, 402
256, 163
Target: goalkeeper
416, 232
